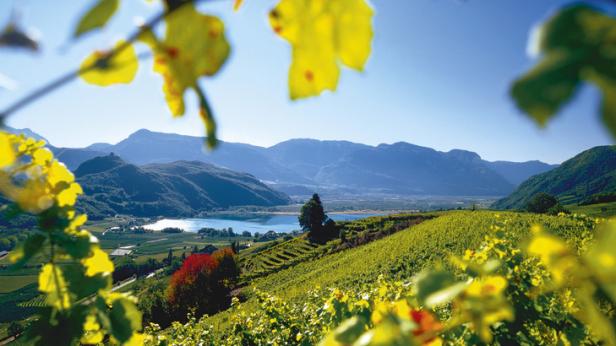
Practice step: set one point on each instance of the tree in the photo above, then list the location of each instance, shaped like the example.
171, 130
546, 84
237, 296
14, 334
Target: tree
541, 202
170, 257
312, 218
203, 283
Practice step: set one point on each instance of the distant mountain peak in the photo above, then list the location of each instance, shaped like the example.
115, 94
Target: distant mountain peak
99, 164
465, 155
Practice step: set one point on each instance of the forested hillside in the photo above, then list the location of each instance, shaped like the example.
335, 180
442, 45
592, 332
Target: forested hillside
182, 188
591, 172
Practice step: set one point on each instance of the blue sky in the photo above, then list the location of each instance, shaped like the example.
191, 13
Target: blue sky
438, 77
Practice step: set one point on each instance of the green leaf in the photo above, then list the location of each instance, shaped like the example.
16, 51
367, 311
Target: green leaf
571, 28
608, 103
26, 250
445, 295
51, 282
125, 319
96, 17
548, 86
349, 330
77, 245
84, 286
431, 282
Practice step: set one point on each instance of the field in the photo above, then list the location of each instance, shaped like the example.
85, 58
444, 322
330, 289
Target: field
595, 210
269, 259
399, 256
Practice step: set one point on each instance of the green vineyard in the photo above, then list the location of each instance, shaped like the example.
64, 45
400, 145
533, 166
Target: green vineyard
354, 233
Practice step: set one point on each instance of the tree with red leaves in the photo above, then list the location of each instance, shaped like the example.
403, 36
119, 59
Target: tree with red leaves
203, 283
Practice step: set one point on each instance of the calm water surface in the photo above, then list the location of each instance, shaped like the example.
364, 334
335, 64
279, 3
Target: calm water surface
261, 224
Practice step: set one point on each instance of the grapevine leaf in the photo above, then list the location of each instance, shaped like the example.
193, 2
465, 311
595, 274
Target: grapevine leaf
575, 45
82, 285
187, 52
433, 282
26, 250
103, 69
321, 33
51, 281
76, 245
125, 319
98, 263
608, 103
547, 87
7, 152
349, 330
96, 17
92, 331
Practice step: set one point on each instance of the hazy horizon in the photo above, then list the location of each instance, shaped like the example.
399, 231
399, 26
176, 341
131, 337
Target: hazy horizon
286, 140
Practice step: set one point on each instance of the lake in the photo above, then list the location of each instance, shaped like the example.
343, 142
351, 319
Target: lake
261, 224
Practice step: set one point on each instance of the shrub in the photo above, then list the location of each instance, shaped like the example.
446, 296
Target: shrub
541, 203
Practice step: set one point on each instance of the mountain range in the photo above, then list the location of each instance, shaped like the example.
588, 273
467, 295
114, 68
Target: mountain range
593, 171
302, 166
178, 189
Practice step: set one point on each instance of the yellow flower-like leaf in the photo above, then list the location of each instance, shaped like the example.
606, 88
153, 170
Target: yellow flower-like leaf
120, 68
92, 333
187, 52
98, 263
58, 172
68, 196
323, 33
42, 156
7, 152
51, 282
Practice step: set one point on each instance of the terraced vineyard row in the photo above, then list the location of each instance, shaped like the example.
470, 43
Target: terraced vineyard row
36, 302
297, 250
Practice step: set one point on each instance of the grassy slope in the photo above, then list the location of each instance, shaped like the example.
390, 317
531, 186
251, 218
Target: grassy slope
595, 210
400, 255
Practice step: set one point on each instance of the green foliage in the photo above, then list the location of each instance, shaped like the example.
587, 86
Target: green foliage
312, 218
590, 172
576, 45
96, 17
606, 197
78, 297
541, 203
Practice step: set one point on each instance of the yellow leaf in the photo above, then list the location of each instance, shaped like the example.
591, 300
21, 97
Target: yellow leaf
237, 4
68, 196
92, 331
51, 281
98, 263
187, 52
323, 33
7, 152
136, 340
59, 173
42, 156
121, 68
